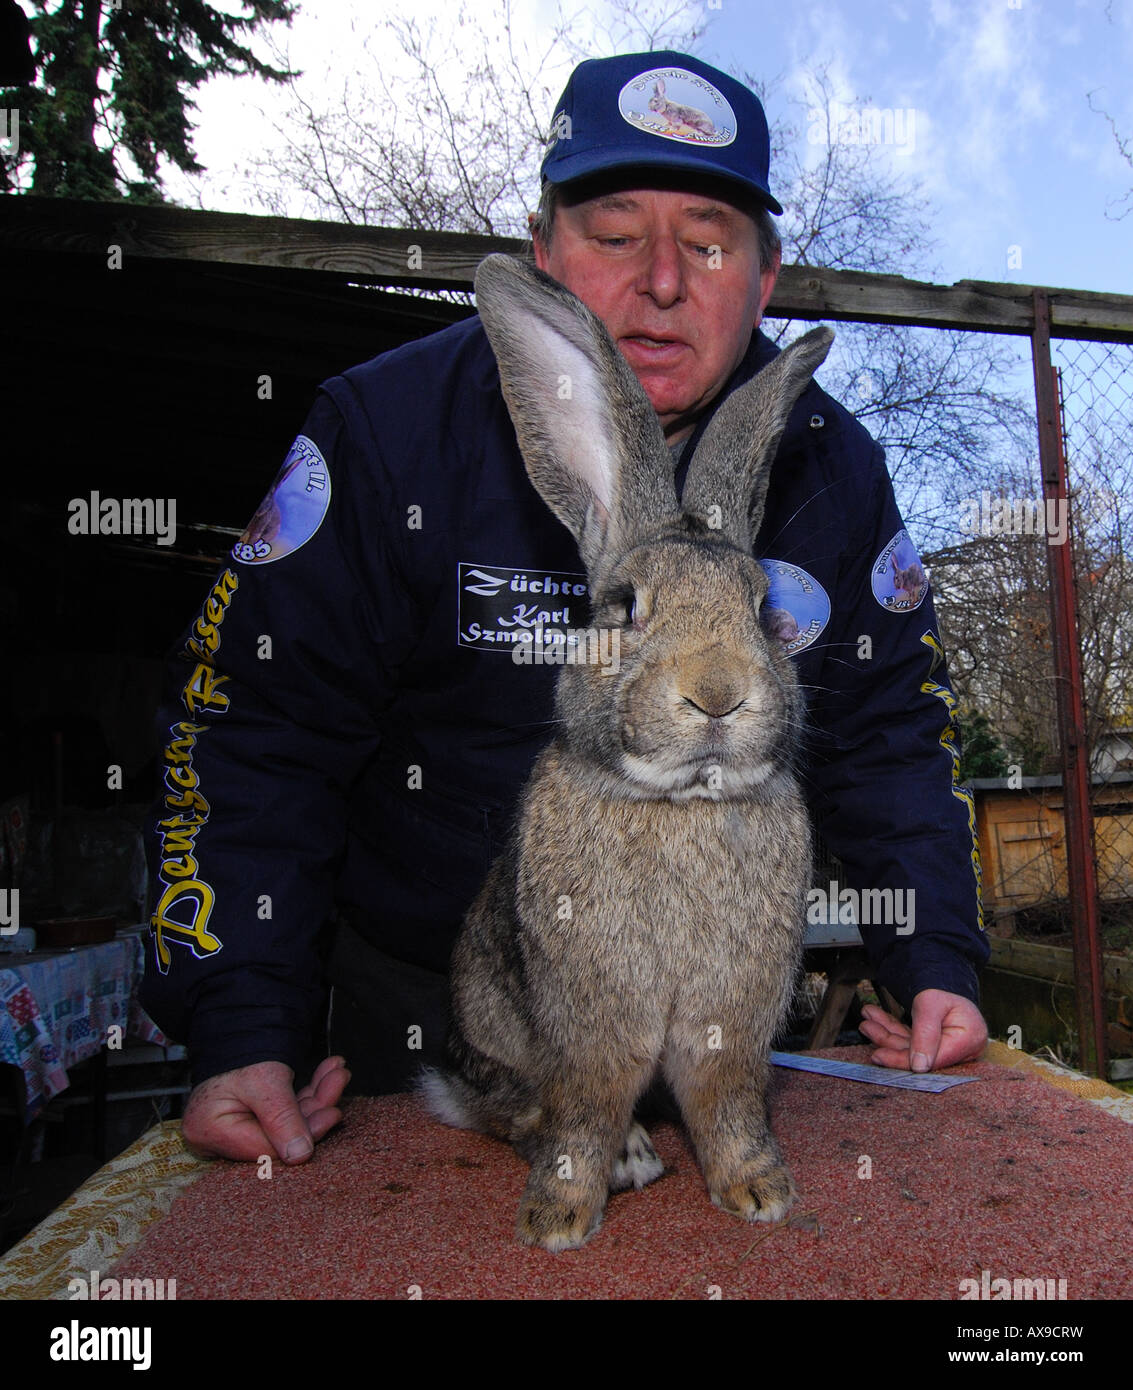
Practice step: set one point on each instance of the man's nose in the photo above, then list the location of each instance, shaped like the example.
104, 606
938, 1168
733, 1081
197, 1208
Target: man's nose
662, 275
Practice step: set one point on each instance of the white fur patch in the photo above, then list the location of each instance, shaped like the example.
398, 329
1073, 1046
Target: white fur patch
675, 784
639, 1164
443, 1100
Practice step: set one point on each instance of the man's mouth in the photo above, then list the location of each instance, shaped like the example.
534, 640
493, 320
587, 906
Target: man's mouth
642, 347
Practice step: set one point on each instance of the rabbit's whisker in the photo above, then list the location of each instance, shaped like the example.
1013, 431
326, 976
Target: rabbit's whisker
813, 498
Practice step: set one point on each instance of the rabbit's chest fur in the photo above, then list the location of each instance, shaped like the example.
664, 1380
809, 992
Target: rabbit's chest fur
663, 904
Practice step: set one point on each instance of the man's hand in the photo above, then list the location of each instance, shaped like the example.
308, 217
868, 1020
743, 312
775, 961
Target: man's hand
254, 1111
947, 1029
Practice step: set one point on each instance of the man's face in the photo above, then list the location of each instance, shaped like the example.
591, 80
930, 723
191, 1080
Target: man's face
675, 277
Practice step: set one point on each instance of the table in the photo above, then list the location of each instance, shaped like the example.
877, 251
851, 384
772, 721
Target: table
1020, 1174
57, 1007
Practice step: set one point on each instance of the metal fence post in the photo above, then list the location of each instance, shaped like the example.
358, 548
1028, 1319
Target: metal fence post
1080, 865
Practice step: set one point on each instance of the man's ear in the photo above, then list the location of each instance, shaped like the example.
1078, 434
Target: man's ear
537, 243
767, 280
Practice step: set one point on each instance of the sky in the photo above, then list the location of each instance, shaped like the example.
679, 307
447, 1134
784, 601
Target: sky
991, 100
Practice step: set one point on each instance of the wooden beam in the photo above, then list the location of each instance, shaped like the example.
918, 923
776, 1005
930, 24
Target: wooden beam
984, 305
1056, 963
447, 260
377, 255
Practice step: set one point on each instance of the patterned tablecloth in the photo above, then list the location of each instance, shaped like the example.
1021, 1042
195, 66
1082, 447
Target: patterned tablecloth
104, 1218
56, 1010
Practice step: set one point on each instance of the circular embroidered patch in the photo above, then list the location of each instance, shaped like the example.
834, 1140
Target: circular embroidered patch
796, 608
898, 581
292, 511
678, 105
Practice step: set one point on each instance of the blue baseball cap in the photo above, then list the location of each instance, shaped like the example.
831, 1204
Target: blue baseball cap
659, 110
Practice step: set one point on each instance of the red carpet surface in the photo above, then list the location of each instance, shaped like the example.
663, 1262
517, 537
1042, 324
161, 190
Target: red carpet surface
902, 1196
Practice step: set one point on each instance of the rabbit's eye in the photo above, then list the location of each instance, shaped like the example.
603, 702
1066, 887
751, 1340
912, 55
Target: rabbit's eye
624, 604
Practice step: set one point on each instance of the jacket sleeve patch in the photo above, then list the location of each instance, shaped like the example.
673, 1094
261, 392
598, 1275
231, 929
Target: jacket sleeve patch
292, 511
797, 607
898, 580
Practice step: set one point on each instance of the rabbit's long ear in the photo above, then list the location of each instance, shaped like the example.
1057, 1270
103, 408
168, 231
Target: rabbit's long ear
727, 479
591, 441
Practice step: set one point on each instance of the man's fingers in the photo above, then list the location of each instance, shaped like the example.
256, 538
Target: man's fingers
883, 1029
287, 1131
889, 1035
923, 1048
328, 1082
946, 1029
252, 1111
894, 1057
319, 1100
874, 1013
877, 1032
321, 1122
328, 1067
930, 1008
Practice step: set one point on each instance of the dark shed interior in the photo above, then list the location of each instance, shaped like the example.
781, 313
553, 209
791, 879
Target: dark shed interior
140, 382
143, 382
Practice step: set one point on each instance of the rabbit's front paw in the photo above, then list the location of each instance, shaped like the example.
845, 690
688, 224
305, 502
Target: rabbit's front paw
757, 1193
557, 1220
638, 1164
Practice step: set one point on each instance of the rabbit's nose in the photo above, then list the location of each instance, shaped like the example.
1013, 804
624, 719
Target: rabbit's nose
714, 711
716, 684
716, 700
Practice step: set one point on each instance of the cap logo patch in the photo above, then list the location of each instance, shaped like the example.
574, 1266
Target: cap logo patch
677, 105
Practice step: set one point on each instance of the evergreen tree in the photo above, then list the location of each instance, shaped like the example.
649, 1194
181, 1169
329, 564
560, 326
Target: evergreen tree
112, 91
983, 754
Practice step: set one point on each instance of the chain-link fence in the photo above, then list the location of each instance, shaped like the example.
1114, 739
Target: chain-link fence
990, 532
1009, 691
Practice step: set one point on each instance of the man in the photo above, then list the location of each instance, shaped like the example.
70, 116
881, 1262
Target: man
364, 762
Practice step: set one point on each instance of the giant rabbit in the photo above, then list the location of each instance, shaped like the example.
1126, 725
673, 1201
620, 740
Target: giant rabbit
647, 915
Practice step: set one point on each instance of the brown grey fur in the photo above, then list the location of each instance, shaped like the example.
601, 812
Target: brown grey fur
647, 915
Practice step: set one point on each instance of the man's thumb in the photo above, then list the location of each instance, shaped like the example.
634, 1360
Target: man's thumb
927, 1026
282, 1121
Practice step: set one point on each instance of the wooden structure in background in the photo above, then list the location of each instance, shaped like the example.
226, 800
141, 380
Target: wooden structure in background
1023, 841
447, 260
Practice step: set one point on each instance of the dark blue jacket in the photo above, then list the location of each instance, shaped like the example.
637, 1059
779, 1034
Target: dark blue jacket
344, 730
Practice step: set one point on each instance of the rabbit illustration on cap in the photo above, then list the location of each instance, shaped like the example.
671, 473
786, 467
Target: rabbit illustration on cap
691, 117
646, 916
